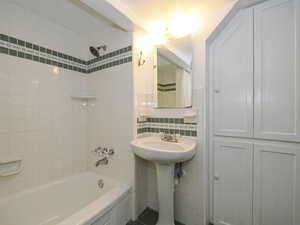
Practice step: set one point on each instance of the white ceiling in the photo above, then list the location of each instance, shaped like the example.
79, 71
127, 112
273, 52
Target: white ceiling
147, 11
78, 17
71, 14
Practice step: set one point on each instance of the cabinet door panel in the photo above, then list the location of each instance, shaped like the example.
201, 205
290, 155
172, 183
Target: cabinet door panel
232, 203
276, 185
231, 68
277, 75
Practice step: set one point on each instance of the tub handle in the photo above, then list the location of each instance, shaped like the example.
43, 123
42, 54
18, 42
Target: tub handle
100, 183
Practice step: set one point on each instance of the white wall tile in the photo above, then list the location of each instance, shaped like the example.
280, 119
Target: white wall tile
40, 123
29, 26
110, 120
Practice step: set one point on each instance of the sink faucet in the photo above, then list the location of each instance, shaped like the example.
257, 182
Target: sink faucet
168, 137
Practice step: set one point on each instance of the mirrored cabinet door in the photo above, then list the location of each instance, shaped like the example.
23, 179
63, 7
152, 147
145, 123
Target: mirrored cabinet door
173, 73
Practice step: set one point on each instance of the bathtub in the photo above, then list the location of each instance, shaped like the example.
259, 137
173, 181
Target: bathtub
75, 200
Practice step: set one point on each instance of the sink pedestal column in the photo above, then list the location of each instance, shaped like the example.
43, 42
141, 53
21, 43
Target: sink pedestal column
165, 182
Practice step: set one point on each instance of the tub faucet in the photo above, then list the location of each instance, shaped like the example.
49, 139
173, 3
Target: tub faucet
100, 183
103, 161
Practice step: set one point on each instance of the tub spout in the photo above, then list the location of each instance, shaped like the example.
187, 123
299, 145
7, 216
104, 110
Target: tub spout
103, 161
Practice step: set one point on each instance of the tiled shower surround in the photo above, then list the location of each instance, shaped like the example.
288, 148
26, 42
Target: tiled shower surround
167, 125
27, 50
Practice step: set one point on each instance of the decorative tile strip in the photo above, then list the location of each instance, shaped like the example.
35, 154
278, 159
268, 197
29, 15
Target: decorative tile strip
26, 50
166, 87
109, 63
167, 125
166, 90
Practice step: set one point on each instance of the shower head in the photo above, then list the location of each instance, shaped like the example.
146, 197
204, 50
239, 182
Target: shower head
95, 51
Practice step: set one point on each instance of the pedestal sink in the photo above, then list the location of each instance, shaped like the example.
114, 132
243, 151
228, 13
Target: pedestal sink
164, 155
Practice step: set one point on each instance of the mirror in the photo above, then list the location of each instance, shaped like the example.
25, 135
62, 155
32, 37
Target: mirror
173, 74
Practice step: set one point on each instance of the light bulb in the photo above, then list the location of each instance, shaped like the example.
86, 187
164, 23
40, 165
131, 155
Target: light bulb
182, 25
157, 32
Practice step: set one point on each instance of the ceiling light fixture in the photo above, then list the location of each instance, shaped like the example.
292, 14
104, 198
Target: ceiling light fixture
157, 33
180, 25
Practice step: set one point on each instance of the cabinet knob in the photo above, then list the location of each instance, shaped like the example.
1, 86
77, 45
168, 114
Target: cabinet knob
216, 177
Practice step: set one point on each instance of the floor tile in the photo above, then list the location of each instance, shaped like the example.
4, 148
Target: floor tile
150, 217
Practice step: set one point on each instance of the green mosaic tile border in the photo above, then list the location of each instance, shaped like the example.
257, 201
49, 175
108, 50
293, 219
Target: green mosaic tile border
168, 120
110, 55
110, 64
191, 133
166, 87
167, 125
23, 49
166, 90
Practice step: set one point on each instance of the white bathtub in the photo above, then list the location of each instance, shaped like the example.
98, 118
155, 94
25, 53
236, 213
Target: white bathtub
75, 200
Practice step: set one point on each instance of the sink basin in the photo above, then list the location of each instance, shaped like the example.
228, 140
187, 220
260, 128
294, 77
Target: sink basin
156, 150
164, 155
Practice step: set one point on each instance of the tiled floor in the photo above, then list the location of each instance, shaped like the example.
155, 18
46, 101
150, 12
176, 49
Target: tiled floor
148, 217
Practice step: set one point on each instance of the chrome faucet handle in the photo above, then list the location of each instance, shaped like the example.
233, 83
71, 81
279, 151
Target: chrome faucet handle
169, 137
100, 183
110, 151
96, 150
103, 151
163, 135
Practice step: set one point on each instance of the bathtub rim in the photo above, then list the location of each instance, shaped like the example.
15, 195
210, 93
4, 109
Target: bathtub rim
93, 210
99, 207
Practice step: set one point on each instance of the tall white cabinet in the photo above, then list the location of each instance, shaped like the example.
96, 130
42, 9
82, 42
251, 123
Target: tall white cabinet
232, 77
254, 116
276, 184
277, 70
232, 179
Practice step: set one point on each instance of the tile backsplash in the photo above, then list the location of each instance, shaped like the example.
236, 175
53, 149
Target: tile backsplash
167, 125
40, 123
23, 49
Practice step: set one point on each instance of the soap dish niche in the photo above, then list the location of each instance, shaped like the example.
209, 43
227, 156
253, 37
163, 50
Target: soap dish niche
84, 95
10, 166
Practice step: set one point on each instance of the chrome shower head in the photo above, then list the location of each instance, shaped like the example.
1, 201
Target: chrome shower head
95, 51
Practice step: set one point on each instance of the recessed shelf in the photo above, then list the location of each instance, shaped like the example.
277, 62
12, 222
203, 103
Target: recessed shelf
10, 166
84, 97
